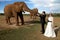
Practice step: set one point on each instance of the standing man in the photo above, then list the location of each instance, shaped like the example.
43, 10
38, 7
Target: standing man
42, 19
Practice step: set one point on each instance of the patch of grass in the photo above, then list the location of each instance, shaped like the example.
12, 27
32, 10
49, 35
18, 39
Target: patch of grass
27, 33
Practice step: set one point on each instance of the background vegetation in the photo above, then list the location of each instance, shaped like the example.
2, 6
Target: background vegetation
54, 14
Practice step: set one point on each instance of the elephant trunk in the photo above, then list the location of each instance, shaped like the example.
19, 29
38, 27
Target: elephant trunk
25, 8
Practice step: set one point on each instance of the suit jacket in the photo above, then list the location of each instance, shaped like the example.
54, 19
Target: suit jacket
42, 18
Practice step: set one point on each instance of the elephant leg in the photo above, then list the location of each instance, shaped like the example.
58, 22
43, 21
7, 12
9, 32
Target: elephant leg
22, 20
9, 21
17, 20
34, 16
31, 16
21, 17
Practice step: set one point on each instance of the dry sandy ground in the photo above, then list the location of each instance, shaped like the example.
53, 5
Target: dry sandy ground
27, 20
3, 24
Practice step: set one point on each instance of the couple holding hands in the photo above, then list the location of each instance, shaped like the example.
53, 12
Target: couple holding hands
49, 31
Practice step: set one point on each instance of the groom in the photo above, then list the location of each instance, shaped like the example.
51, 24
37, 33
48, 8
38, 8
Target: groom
42, 19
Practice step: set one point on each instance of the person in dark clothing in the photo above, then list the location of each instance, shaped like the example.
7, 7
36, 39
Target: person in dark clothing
42, 20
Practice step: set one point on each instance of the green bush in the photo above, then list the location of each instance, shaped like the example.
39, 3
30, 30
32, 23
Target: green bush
56, 14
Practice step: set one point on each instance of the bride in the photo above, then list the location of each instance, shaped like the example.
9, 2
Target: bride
49, 32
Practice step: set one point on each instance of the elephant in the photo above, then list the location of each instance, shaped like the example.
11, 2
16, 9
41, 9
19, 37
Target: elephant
34, 13
16, 10
13, 10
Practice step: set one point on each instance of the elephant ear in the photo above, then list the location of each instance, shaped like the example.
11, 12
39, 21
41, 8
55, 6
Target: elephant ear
17, 8
21, 7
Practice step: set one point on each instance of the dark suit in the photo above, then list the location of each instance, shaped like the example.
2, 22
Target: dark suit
42, 20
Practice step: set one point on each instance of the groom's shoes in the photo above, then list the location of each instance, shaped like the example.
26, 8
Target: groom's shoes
42, 32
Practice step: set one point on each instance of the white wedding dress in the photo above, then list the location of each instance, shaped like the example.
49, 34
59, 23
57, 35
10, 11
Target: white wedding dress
49, 32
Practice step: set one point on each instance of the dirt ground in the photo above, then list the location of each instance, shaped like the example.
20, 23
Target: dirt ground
3, 24
27, 21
